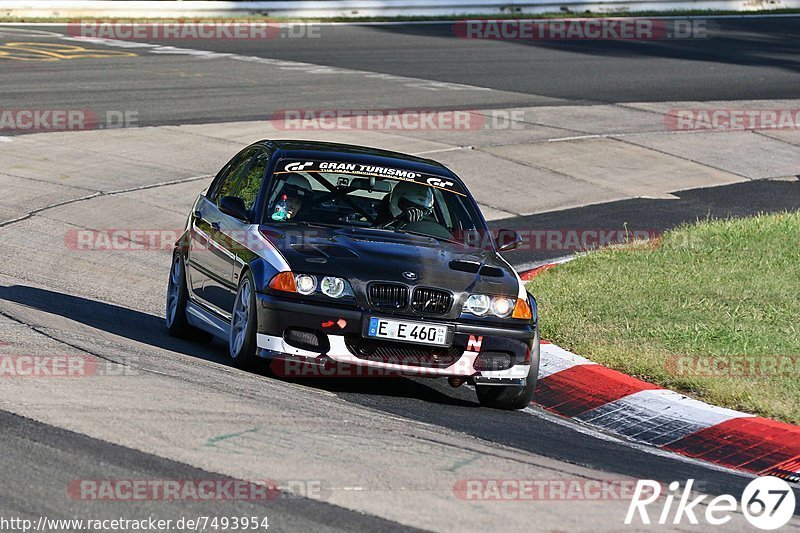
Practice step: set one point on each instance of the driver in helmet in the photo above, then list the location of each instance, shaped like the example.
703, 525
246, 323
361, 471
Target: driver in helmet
408, 202
296, 193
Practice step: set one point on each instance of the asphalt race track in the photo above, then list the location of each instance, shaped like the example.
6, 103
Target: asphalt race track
740, 59
358, 455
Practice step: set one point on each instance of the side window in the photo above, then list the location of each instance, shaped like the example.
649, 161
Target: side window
229, 177
228, 185
250, 183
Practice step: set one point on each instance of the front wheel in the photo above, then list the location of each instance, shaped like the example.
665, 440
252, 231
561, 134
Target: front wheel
512, 397
242, 341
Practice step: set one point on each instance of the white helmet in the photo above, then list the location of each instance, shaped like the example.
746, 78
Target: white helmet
296, 181
407, 195
296, 186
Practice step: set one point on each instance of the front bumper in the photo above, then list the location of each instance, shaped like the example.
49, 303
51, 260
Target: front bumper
341, 328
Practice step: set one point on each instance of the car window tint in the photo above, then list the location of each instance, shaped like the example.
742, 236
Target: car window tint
229, 182
225, 176
251, 181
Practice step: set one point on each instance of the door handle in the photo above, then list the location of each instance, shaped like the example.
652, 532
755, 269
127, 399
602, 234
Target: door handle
215, 225
198, 214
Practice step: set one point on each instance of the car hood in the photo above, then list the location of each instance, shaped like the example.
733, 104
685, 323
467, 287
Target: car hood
364, 255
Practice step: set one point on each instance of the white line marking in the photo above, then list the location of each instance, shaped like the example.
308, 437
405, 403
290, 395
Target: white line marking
22, 32
440, 150
575, 138
308, 68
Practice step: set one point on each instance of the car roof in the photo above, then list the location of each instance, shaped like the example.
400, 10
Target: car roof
300, 149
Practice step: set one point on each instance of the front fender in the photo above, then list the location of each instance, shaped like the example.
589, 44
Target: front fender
262, 272
534, 308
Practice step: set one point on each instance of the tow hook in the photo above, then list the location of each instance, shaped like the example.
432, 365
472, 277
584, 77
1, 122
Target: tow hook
455, 381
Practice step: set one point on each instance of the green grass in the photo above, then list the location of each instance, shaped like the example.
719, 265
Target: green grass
499, 16
716, 288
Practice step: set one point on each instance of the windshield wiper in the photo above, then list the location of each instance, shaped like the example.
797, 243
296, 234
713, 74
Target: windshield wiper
307, 224
420, 234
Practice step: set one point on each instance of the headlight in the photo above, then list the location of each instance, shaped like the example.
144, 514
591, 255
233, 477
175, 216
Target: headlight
309, 284
306, 284
333, 287
478, 304
502, 307
499, 306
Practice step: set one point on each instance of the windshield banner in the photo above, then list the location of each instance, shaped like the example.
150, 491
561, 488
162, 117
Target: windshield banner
372, 171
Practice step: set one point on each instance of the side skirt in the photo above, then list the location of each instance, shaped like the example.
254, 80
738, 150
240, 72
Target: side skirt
207, 321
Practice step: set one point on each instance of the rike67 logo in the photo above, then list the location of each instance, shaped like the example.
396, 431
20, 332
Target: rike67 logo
768, 503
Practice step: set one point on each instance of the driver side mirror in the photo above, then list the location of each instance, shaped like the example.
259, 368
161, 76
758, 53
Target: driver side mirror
507, 240
234, 206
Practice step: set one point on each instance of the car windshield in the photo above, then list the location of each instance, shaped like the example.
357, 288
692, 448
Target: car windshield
368, 196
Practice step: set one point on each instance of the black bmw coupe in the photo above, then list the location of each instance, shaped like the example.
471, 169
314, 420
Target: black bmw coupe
331, 254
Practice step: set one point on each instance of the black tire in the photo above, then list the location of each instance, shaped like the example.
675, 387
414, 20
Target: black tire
510, 397
242, 339
177, 298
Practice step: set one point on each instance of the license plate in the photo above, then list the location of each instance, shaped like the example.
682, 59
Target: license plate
400, 330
